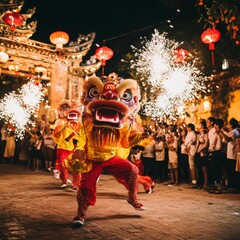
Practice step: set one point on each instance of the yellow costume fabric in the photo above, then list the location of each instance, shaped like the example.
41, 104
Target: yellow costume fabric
64, 137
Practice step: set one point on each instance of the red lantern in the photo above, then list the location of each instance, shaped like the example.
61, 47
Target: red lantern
180, 55
13, 19
210, 36
102, 54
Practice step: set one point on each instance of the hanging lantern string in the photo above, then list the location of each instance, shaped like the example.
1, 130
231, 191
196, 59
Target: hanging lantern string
134, 31
104, 53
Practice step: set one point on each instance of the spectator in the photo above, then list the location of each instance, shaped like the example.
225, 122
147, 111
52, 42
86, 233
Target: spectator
38, 152
48, 149
32, 139
10, 147
232, 150
190, 147
148, 158
135, 158
211, 131
3, 141
217, 156
183, 164
173, 158
160, 158
201, 155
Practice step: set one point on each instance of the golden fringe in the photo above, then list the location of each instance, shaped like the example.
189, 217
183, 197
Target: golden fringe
102, 137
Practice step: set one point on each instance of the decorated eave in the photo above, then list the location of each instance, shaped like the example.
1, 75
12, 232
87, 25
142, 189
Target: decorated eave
39, 51
85, 70
28, 51
10, 5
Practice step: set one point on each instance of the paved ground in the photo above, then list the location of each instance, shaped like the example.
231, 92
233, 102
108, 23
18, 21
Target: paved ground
32, 206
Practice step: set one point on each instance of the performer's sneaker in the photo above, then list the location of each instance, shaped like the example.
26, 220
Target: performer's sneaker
78, 221
69, 182
64, 185
56, 174
74, 189
137, 205
148, 190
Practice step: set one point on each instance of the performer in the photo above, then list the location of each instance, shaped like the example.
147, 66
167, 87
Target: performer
62, 108
108, 104
66, 136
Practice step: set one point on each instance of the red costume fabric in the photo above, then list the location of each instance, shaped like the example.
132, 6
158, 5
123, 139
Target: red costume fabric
119, 168
64, 174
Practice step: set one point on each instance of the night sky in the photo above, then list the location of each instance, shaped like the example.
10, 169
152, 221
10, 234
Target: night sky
120, 23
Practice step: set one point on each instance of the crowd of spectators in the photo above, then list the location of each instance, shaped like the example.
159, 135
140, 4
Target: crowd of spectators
206, 156
36, 150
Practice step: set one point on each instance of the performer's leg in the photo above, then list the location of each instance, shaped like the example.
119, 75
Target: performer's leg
122, 169
64, 174
76, 181
147, 183
86, 195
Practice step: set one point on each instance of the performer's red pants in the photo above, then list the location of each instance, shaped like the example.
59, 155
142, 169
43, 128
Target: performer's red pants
119, 168
64, 174
146, 181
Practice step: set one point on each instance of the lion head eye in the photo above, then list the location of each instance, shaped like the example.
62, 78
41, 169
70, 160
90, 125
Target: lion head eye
127, 95
93, 92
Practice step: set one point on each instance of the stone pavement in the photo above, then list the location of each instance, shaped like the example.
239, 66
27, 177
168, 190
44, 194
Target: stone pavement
32, 206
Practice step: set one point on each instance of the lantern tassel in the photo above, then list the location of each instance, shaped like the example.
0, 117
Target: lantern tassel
211, 48
103, 70
212, 58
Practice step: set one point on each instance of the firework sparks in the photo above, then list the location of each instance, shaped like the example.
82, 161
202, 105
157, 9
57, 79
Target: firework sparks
13, 112
32, 96
16, 109
171, 84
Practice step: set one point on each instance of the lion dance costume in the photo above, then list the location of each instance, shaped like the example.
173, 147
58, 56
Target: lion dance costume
66, 136
111, 104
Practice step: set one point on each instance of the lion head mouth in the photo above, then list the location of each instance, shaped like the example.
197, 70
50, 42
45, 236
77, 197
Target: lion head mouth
107, 117
108, 113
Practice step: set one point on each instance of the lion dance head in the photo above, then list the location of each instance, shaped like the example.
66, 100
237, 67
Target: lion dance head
110, 100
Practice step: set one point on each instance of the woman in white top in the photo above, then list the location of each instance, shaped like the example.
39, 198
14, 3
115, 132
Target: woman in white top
201, 156
148, 158
160, 158
173, 158
190, 142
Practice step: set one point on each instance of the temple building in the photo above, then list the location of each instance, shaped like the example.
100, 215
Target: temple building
59, 68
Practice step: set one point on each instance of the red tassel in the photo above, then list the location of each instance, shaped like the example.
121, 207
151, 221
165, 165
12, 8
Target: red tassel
212, 58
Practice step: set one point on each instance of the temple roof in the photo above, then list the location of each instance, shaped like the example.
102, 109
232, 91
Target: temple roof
18, 45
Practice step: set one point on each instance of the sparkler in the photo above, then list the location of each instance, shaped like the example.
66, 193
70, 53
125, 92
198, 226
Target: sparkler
171, 84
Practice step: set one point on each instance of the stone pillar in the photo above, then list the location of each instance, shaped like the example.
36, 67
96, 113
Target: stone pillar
59, 84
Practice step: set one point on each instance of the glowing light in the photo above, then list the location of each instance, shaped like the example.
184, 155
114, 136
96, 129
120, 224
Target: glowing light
154, 59
17, 108
32, 95
12, 112
169, 84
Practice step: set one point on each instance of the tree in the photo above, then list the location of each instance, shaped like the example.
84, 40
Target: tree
221, 13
